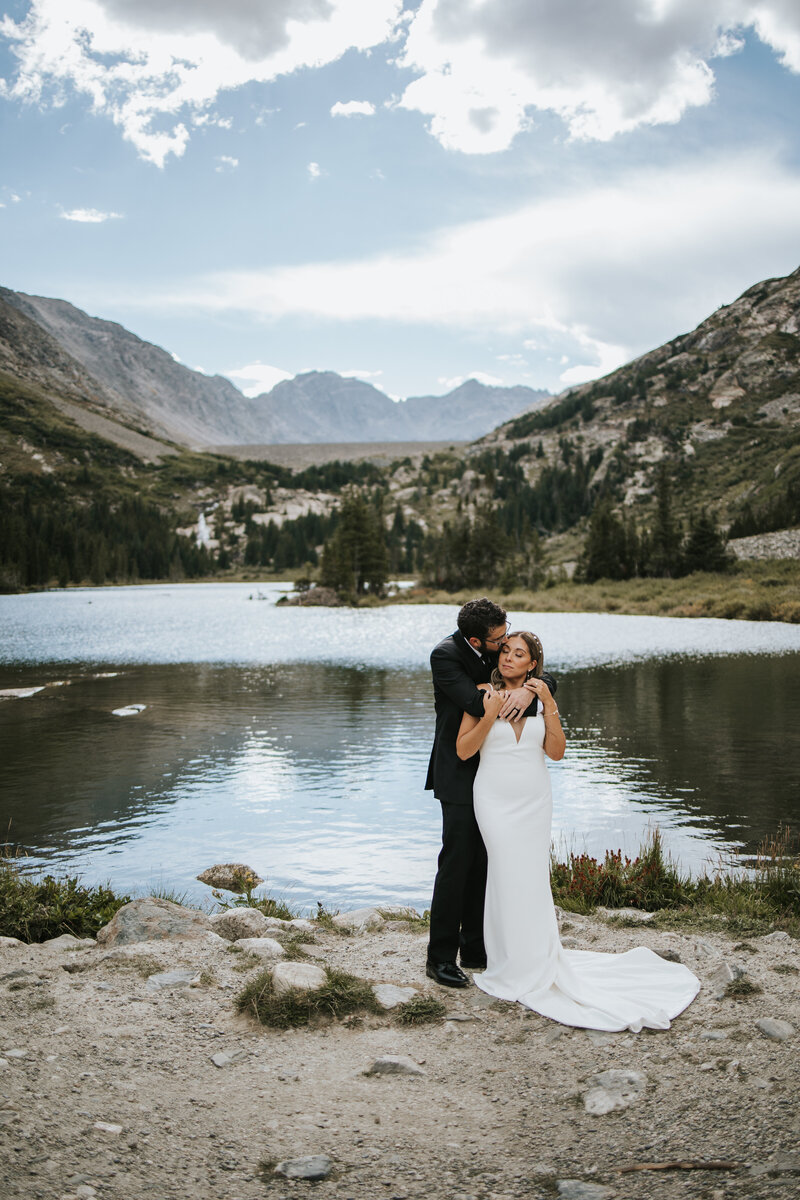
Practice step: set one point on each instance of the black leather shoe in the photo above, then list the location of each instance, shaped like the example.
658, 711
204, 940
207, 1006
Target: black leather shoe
446, 973
478, 965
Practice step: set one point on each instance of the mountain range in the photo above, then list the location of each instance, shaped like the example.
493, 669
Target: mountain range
118, 375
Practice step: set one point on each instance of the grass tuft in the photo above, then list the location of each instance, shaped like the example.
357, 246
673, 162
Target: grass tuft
740, 989
340, 996
421, 1010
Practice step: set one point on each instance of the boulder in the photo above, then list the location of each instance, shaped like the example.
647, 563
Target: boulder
304, 976
613, 1089
236, 923
300, 923
264, 947
359, 920
231, 877
8, 942
153, 920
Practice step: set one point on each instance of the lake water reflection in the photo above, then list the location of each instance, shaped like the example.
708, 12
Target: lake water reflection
297, 740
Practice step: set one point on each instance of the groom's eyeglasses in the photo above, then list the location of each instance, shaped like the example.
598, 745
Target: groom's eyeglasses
499, 641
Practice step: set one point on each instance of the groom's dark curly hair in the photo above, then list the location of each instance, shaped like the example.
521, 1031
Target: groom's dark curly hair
477, 617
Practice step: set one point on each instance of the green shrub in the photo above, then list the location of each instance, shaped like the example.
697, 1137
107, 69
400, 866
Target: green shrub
648, 881
35, 909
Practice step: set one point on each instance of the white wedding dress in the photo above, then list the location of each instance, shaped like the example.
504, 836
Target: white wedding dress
526, 961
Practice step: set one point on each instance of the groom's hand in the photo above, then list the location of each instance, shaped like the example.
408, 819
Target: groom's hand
516, 704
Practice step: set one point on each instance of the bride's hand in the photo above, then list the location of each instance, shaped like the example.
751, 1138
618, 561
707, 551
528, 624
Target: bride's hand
515, 704
542, 691
492, 702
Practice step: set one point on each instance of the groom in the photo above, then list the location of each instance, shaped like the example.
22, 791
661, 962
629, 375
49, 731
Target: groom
458, 664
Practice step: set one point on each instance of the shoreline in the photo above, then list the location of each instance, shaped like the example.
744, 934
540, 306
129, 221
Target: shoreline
760, 590
128, 1070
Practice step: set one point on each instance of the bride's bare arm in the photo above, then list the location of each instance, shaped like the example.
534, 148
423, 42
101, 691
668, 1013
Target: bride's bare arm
473, 731
555, 743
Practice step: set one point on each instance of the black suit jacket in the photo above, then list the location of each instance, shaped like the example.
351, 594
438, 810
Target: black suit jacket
457, 670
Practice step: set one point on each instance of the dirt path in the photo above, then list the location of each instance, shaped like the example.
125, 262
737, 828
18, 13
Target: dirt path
86, 1042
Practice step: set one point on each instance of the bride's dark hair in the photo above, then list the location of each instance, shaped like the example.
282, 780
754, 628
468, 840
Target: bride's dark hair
534, 649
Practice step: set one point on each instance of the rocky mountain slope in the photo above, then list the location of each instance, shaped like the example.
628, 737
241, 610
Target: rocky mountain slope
138, 382
719, 406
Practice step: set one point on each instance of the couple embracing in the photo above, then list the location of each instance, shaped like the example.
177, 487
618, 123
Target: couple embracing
492, 908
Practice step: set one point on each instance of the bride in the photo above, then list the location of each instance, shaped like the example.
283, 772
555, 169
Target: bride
513, 808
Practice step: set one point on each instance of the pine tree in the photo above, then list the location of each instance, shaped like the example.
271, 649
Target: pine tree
665, 554
705, 548
354, 558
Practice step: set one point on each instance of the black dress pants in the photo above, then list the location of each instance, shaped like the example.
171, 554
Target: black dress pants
459, 889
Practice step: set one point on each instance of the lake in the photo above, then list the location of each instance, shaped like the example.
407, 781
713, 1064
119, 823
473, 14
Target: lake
297, 740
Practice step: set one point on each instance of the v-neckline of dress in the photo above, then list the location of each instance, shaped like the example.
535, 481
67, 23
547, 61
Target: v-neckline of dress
522, 725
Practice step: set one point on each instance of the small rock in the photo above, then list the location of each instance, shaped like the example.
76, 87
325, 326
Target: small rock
301, 923
599, 1038
779, 935
264, 947
231, 877
713, 1035
128, 710
236, 923
613, 1089
359, 920
107, 1127
389, 995
305, 976
15, 1053
10, 941
570, 943
704, 949
669, 955
778, 1031
724, 974
84, 1192
153, 920
68, 939
310, 1166
224, 1058
577, 1189
627, 914
179, 977
394, 1064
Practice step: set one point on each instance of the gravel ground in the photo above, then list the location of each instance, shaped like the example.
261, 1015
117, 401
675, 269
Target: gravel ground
108, 1088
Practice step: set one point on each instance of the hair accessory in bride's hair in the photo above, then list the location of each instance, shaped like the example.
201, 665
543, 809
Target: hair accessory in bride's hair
534, 649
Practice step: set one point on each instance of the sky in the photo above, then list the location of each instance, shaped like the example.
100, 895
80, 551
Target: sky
413, 192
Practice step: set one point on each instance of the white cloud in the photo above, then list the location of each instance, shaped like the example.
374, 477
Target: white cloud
257, 377
605, 69
226, 163
90, 216
353, 108
153, 66
450, 384
598, 273
357, 373
315, 171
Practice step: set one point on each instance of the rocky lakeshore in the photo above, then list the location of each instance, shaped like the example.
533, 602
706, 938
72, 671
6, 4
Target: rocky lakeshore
127, 1071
